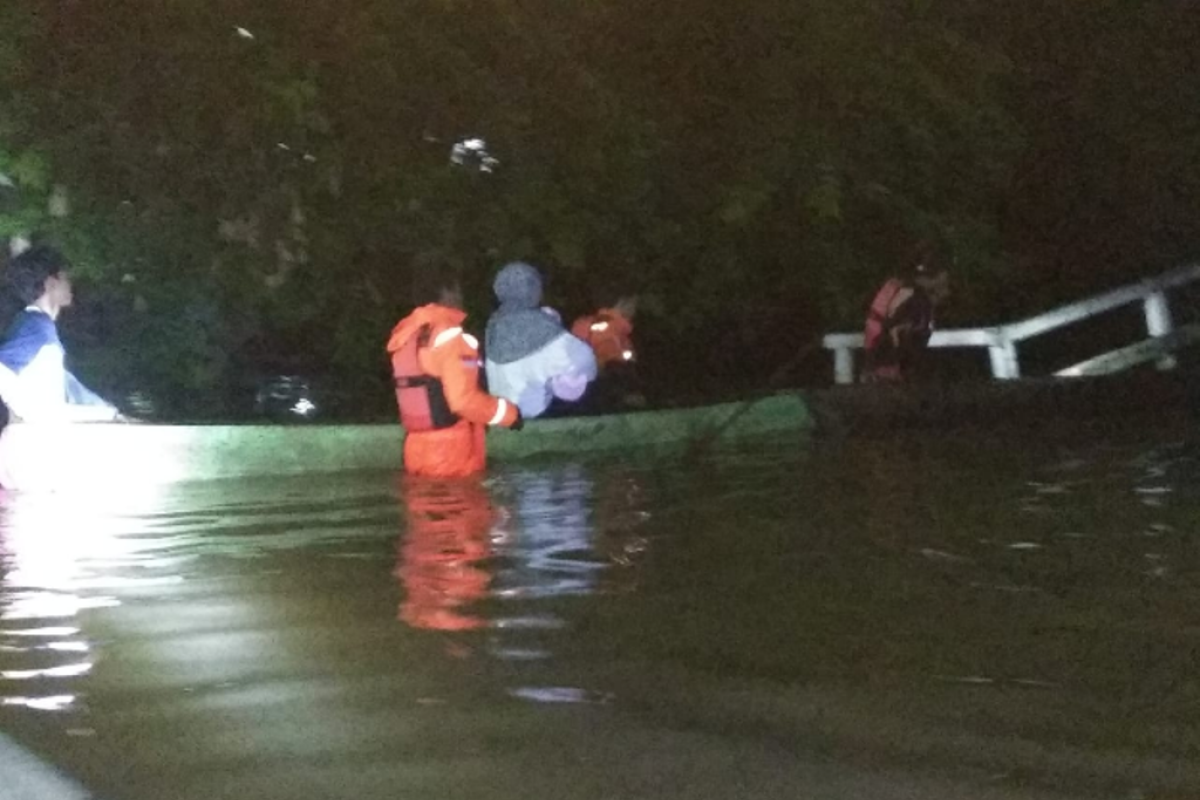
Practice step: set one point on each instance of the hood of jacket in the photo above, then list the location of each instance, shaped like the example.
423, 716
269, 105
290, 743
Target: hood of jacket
519, 327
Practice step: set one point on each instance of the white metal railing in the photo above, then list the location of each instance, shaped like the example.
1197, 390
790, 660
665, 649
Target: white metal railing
1001, 341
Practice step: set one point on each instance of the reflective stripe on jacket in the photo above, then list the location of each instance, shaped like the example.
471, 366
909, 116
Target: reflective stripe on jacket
609, 333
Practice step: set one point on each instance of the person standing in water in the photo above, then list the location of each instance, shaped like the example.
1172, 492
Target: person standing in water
435, 365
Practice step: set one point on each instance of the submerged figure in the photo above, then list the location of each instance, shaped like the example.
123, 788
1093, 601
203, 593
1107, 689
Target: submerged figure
41, 394
531, 357
901, 320
436, 369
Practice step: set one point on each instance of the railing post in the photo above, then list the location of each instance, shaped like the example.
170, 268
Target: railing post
843, 365
1158, 322
1003, 355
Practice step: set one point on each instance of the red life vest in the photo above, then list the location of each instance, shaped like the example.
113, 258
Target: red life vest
420, 397
877, 315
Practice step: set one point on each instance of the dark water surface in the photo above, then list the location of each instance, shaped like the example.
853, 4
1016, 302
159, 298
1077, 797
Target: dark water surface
986, 615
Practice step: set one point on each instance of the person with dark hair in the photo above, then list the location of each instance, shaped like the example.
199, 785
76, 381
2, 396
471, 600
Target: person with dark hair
531, 358
901, 318
435, 365
34, 381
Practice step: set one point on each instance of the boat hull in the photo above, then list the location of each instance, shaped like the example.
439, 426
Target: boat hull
141, 454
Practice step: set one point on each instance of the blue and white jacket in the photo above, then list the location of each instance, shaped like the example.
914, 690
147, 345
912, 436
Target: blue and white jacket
34, 381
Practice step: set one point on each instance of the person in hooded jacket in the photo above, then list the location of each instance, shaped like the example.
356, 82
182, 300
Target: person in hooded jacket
530, 357
435, 365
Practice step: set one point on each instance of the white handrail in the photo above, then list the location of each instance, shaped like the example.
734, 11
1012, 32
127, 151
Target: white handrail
1152, 349
1002, 340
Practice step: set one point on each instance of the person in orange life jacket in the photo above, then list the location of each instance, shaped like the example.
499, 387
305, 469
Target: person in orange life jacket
610, 332
901, 319
436, 369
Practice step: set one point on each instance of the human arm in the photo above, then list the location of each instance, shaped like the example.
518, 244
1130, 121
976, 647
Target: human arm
569, 387
453, 357
898, 321
80, 395
910, 330
86, 405
572, 368
577, 358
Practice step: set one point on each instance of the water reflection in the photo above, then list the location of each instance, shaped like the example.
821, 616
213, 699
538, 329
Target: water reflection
508, 557
441, 559
526, 536
894, 603
547, 546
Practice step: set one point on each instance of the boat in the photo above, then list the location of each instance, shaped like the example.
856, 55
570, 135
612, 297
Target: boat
1048, 401
143, 454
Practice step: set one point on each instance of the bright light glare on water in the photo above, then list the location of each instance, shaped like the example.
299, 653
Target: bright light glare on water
56, 702
63, 555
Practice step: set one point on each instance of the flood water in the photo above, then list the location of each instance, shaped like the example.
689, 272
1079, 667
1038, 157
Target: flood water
979, 615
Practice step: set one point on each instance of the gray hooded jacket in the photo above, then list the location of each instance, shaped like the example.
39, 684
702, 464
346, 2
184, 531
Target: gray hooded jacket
530, 356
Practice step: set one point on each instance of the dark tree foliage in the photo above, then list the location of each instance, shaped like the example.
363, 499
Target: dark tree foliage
251, 181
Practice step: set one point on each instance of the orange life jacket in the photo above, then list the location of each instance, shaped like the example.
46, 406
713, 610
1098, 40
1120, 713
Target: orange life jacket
877, 315
442, 444
421, 397
609, 333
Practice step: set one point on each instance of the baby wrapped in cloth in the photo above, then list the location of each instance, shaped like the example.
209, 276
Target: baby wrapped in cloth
529, 356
